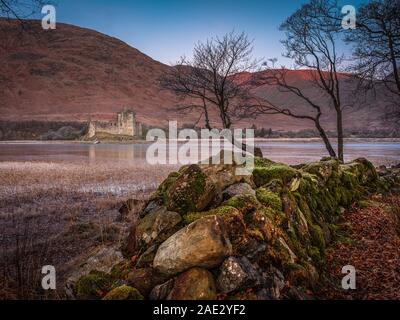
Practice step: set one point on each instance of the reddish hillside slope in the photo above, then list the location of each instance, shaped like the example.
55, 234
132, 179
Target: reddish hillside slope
71, 73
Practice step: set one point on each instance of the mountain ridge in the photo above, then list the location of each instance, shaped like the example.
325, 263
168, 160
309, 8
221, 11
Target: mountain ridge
75, 74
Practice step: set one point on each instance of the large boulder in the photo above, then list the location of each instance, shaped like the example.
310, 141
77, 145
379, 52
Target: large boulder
194, 284
203, 243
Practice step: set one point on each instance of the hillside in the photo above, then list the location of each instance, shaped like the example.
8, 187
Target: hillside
73, 74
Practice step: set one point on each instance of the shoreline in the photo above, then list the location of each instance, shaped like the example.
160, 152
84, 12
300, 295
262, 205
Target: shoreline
389, 140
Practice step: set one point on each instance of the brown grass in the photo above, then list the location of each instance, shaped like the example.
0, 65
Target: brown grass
52, 212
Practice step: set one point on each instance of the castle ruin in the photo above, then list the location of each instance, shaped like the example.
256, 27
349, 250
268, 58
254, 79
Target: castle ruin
125, 125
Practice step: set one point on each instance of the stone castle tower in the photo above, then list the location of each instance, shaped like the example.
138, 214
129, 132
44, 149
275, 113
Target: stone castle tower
125, 124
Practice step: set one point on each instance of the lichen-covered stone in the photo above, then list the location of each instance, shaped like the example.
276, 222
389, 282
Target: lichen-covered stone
324, 169
237, 189
203, 243
191, 191
123, 292
237, 273
194, 284
157, 226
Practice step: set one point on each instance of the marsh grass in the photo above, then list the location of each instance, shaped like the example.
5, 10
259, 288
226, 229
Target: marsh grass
53, 212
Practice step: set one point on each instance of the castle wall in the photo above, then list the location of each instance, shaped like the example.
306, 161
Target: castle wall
126, 125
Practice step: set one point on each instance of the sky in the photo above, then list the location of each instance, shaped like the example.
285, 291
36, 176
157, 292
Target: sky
167, 29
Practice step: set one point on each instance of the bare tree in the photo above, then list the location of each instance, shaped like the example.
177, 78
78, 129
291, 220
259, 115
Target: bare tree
21, 9
211, 78
376, 41
264, 106
312, 33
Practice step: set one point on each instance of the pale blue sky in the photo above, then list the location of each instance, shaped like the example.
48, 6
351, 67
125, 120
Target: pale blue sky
168, 29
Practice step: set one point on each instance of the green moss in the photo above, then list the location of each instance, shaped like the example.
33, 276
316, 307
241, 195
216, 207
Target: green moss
363, 204
94, 285
244, 203
270, 213
263, 175
317, 237
315, 255
220, 211
161, 191
262, 162
120, 270
323, 169
269, 199
185, 192
281, 254
124, 293
297, 246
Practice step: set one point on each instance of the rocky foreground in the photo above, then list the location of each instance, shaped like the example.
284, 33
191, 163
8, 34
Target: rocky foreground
207, 233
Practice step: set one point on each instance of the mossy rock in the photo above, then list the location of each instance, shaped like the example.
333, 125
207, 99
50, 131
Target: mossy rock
263, 175
244, 203
317, 237
269, 199
94, 285
323, 169
190, 192
162, 189
220, 211
262, 162
279, 253
124, 293
121, 270
315, 255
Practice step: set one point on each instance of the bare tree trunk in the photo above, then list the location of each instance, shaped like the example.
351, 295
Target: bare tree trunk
206, 116
207, 119
340, 135
325, 138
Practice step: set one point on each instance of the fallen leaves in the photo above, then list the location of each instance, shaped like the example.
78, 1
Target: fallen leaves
374, 251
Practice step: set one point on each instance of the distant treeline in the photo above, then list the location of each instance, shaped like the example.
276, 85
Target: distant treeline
74, 130
308, 133
42, 130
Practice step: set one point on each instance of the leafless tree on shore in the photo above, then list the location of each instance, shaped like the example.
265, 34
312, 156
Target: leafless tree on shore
212, 77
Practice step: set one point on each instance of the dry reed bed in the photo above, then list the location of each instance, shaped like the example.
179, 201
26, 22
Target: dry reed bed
51, 212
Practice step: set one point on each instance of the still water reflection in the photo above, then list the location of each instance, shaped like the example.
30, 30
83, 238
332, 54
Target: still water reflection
291, 152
